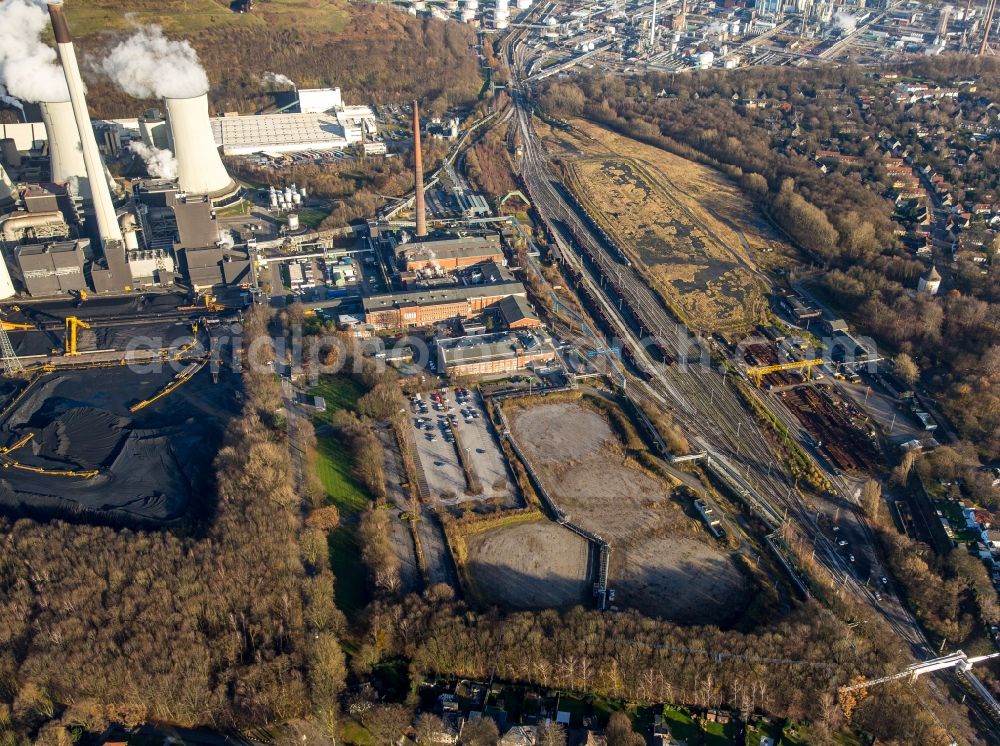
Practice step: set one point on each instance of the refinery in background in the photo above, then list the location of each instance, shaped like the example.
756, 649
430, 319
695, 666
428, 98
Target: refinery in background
676, 35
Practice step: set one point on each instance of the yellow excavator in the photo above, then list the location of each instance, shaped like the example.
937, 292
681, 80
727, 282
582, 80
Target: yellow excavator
72, 324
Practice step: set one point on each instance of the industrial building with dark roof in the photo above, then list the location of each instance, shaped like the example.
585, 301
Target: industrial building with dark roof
515, 313
449, 253
52, 268
492, 354
429, 306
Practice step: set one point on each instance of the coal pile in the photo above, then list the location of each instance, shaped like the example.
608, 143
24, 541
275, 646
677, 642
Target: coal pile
153, 466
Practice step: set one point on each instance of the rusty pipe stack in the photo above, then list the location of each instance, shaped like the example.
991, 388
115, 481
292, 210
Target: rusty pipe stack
418, 176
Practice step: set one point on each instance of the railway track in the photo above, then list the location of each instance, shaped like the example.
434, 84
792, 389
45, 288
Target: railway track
700, 398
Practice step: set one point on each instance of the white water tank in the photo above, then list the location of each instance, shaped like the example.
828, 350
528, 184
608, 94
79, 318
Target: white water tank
199, 166
293, 221
523, 4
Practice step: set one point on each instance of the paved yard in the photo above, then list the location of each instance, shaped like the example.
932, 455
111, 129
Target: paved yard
439, 458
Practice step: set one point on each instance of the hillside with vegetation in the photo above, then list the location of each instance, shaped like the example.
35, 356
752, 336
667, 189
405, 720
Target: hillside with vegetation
373, 53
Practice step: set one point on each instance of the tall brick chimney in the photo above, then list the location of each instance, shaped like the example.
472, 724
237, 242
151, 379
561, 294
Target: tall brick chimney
418, 175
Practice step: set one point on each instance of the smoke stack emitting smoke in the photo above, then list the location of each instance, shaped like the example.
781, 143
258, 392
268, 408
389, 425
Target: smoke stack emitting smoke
276, 79
104, 209
29, 69
160, 163
845, 21
418, 175
149, 65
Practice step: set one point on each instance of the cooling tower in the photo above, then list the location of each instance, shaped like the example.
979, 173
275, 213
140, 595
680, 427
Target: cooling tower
153, 130
7, 191
199, 165
6, 284
65, 150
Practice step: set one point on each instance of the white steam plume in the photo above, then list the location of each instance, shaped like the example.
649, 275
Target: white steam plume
11, 101
269, 78
845, 21
149, 65
161, 164
29, 69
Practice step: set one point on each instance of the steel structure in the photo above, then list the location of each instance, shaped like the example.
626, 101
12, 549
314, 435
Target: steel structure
72, 324
11, 362
958, 660
756, 373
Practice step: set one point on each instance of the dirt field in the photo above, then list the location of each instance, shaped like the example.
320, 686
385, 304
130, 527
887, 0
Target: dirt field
694, 233
662, 562
580, 432
532, 565
684, 580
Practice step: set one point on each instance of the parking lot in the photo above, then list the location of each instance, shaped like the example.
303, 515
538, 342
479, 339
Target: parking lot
436, 447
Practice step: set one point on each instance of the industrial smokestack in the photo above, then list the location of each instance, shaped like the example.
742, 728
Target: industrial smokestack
66, 164
652, 26
104, 208
199, 166
991, 7
418, 175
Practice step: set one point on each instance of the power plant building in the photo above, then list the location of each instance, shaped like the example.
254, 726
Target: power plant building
493, 354
48, 269
449, 254
430, 306
293, 133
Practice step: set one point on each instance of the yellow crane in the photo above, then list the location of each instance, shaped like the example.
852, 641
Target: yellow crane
72, 324
757, 372
10, 326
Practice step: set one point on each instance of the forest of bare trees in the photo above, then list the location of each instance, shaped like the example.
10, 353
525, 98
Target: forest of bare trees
629, 657
231, 626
